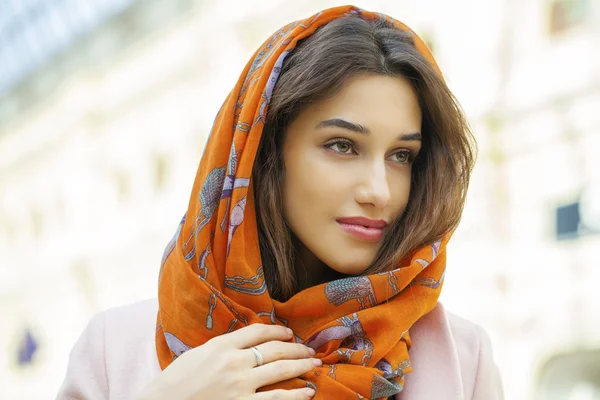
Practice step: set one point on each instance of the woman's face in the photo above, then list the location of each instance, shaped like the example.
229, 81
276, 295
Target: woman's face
348, 167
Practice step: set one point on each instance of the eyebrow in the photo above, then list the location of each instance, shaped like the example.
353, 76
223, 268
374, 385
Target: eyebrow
358, 128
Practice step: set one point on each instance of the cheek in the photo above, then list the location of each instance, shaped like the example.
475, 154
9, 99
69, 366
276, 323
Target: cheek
400, 193
309, 188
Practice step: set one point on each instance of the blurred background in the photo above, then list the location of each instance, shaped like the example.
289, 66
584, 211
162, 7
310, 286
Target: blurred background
105, 106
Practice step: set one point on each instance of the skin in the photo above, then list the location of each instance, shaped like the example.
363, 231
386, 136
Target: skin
233, 372
335, 172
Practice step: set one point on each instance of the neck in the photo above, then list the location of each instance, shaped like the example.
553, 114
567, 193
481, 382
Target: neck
310, 270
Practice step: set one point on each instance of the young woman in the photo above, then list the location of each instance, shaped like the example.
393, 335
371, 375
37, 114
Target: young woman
312, 254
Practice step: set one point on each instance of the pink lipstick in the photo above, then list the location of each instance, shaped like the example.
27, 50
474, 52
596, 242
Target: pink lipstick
362, 228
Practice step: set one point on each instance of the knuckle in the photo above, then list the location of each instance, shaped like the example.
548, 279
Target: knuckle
238, 380
286, 370
271, 344
221, 364
229, 360
223, 361
279, 354
233, 358
293, 351
261, 329
280, 331
293, 368
235, 381
277, 348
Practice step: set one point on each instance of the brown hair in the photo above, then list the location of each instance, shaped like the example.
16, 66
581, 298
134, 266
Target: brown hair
316, 69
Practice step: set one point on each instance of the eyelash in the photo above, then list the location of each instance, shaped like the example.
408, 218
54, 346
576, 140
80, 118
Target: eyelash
411, 155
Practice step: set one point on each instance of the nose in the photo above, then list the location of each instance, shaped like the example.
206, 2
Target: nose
373, 187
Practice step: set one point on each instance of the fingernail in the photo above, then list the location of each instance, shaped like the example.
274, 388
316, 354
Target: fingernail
290, 332
311, 351
309, 392
317, 362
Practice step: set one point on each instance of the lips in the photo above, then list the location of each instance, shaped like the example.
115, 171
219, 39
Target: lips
366, 222
363, 228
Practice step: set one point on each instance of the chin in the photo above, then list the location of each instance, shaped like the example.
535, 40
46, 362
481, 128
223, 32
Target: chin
350, 267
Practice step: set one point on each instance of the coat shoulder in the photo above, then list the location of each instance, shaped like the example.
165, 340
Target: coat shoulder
451, 359
480, 373
114, 357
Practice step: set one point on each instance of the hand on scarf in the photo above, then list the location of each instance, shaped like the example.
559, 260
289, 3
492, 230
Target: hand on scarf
225, 367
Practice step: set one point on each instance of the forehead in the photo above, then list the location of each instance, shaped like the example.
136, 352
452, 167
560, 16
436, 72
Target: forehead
374, 101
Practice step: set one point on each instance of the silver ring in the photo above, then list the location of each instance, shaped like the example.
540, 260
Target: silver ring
258, 355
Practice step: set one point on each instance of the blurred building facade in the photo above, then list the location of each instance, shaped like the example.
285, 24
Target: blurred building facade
100, 139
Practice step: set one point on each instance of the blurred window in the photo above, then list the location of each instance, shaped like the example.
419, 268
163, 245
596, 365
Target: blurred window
567, 221
567, 14
34, 31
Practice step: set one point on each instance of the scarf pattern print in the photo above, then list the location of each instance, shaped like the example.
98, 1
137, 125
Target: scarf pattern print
212, 280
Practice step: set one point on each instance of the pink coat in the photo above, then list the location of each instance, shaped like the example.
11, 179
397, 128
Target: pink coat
115, 358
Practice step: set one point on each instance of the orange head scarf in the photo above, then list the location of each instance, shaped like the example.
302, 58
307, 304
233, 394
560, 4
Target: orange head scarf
212, 279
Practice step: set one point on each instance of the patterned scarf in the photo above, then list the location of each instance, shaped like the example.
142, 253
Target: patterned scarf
212, 279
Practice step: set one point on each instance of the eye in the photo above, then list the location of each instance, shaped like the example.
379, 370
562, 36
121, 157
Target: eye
404, 157
341, 146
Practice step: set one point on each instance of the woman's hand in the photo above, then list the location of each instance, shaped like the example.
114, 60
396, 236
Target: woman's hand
226, 368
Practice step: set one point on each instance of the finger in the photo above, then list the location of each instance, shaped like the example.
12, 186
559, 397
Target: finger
282, 370
277, 350
255, 334
293, 394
